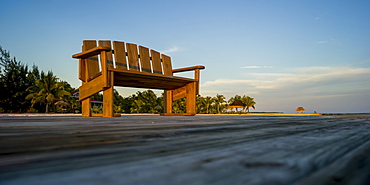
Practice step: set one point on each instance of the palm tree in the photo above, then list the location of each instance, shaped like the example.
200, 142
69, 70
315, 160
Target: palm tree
246, 100
249, 102
137, 106
150, 100
208, 102
200, 103
179, 106
219, 100
117, 109
47, 90
232, 99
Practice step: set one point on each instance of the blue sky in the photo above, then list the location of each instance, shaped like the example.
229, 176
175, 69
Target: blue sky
285, 54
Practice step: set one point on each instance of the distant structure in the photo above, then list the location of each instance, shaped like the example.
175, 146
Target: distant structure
300, 109
97, 103
237, 104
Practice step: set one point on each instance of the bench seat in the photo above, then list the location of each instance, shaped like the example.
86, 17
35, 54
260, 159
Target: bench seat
149, 80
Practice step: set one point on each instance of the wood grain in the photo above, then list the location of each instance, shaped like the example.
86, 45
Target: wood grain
156, 62
147, 149
145, 60
149, 80
109, 56
120, 55
167, 65
133, 57
154, 72
92, 62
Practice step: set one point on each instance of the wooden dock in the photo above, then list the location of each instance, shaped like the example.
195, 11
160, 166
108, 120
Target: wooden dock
214, 149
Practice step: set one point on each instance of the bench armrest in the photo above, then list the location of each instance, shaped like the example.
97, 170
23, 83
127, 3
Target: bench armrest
84, 73
187, 69
196, 70
91, 52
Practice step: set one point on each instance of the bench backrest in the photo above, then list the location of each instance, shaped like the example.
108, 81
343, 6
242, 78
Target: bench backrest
125, 57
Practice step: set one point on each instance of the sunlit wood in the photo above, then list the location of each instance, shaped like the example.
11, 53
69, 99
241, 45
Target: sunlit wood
153, 70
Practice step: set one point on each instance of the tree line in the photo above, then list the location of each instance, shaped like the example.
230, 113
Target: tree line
29, 90
148, 102
25, 89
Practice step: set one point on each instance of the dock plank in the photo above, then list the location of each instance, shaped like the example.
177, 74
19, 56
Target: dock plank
149, 149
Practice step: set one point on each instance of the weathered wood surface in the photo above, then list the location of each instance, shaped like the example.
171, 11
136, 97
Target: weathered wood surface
140, 70
148, 149
148, 80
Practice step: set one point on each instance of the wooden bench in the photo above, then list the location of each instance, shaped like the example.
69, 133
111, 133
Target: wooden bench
109, 64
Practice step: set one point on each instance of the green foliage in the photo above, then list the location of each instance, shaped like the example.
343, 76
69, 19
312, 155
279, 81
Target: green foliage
97, 96
179, 106
117, 109
219, 101
30, 90
48, 90
147, 102
143, 102
15, 78
97, 110
137, 106
249, 102
246, 100
208, 102
32, 110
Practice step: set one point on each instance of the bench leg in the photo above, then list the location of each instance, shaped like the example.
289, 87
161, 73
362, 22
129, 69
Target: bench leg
191, 98
86, 107
168, 98
108, 102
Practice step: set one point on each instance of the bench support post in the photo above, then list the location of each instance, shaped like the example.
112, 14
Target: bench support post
108, 96
197, 77
168, 98
108, 102
85, 106
190, 95
191, 98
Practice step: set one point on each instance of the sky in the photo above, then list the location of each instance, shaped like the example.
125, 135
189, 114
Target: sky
285, 54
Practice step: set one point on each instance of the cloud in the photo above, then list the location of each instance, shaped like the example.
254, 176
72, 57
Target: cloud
171, 50
238, 84
300, 78
322, 42
255, 67
310, 85
317, 18
331, 41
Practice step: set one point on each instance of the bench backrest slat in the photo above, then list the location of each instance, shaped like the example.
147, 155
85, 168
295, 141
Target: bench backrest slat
133, 57
156, 62
127, 56
82, 68
120, 55
91, 62
107, 43
167, 66
145, 59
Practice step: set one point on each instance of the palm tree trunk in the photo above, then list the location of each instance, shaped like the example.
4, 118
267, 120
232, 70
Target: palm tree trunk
47, 108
